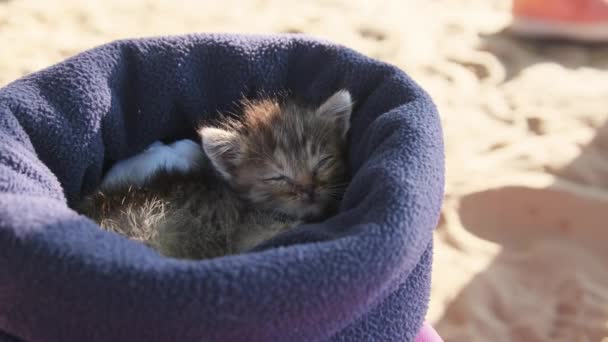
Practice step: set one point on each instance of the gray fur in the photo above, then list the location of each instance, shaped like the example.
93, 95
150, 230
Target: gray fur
237, 201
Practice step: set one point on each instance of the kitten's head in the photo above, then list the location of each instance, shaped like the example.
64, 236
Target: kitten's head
285, 157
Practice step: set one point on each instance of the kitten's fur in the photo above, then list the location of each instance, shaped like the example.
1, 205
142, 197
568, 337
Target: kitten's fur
279, 164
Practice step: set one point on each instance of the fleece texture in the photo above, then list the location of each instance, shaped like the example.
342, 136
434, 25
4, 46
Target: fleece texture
363, 275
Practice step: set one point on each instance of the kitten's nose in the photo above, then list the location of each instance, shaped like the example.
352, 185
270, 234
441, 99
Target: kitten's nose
310, 192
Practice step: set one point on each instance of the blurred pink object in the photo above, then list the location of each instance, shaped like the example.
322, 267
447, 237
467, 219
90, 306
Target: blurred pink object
581, 20
428, 334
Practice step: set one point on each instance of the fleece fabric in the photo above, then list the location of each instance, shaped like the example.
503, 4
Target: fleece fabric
362, 275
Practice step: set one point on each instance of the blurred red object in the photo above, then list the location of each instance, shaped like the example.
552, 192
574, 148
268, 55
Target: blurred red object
582, 20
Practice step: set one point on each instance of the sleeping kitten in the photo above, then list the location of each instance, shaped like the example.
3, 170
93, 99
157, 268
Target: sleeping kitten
280, 164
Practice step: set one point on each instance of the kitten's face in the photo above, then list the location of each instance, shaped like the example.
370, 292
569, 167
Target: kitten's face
285, 157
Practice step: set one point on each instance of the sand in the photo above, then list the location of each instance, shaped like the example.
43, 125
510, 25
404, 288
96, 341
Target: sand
521, 247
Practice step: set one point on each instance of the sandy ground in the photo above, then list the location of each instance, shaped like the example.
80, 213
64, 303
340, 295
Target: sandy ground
521, 248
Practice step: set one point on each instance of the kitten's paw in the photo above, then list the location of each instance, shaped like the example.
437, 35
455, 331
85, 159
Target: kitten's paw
191, 152
187, 156
155, 144
181, 156
138, 168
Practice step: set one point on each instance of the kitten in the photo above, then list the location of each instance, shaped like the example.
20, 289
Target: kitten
278, 165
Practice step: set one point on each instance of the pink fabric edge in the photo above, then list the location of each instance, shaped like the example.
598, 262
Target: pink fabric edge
428, 334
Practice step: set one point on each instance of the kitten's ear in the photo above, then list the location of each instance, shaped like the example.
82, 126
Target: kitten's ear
222, 149
338, 109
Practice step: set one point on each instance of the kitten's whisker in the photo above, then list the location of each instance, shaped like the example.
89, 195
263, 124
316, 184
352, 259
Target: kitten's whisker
339, 184
335, 188
258, 159
262, 155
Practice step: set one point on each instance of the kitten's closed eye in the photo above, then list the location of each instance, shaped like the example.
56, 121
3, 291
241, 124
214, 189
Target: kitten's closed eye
323, 162
279, 178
